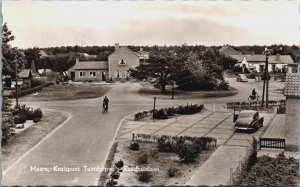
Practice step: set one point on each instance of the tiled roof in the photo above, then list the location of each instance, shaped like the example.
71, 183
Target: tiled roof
126, 48
227, 50
292, 85
91, 65
25, 73
273, 59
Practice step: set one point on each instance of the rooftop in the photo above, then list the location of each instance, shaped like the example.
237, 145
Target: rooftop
273, 59
91, 65
228, 50
24, 73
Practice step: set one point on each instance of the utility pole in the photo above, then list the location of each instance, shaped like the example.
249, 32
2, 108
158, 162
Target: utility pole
16, 85
266, 80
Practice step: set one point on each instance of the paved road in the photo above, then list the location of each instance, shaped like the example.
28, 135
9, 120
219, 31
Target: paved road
86, 138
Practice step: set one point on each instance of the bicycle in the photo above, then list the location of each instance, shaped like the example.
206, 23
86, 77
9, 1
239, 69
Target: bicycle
252, 98
105, 108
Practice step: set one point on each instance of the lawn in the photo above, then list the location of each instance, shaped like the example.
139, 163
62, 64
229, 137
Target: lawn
19, 144
161, 160
149, 91
68, 92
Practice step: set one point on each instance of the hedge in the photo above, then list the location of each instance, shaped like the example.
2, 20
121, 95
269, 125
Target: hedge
29, 91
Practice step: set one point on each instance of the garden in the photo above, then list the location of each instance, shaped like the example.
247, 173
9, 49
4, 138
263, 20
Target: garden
158, 160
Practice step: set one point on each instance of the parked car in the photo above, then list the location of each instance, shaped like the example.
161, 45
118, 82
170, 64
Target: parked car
242, 78
248, 120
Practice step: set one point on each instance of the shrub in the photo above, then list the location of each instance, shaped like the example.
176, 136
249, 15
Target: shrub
253, 155
119, 164
190, 109
134, 146
144, 176
35, 120
187, 153
111, 182
36, 82
143, 159
141, 115
32, 114
154, 153
171, 111
172, 172
160, 114
223, 85
115, 174
164, 146
20, 118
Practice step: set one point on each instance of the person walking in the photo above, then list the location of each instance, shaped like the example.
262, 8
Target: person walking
105, 104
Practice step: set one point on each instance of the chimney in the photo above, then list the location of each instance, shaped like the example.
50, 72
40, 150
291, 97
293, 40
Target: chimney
141, 49
77, 60
278, 57
117, 46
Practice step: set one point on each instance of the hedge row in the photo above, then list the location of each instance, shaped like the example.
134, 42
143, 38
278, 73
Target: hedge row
29, 91
271, 102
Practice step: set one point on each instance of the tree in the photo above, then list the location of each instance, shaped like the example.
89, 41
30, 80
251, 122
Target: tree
159, 67
11, 55
7, 120
33, 55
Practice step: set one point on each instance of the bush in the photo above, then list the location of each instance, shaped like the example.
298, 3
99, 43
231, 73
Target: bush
223, 85
119, 164
29, 91
141, 115
143, 159
187, 153
172, 172
32, 114
171, 111
134, 146
190, 109
111, 183
154, 153
160, 114
164, 146
36, 82
35, 120
144, 176
20, 118
115, 174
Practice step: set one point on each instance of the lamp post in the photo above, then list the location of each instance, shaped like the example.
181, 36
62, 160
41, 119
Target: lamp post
172, 89
266, 79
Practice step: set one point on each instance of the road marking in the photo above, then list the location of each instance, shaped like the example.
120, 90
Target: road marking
44, 139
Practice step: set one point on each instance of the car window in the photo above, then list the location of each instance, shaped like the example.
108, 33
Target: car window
245, 115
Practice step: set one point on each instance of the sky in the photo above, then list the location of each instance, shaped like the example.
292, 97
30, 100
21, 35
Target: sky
202, 22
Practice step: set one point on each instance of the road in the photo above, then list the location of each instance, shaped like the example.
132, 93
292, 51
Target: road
84, 141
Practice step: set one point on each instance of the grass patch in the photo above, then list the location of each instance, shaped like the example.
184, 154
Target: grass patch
68, 92
18, 144
149, 91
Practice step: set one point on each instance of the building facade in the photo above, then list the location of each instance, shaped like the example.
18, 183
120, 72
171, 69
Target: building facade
116, 68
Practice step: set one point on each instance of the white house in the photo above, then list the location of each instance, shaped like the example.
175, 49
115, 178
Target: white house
277, 63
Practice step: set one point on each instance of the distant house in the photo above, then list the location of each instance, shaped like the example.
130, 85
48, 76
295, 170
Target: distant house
116, 68
277, 63
292, 93
42, 54
89, 70
24, 77
44, 71
228, 50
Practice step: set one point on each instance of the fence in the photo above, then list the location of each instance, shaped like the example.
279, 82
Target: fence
274, 143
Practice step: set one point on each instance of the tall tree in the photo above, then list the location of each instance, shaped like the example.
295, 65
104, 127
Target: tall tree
11, 55
32, 55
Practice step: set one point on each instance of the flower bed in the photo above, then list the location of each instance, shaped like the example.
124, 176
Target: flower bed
164, 113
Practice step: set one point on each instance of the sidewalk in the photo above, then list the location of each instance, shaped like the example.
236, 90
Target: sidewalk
216, 170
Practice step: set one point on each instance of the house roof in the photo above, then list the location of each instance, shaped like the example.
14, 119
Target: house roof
292, 85
43, 53
24, 73
273, 59
228, 50
91, 65
124, 48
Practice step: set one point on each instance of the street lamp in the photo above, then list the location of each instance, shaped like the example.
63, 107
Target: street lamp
16, 85
266, 79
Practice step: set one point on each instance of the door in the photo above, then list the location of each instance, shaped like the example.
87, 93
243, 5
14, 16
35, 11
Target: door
72, 75
273, 68
103, 76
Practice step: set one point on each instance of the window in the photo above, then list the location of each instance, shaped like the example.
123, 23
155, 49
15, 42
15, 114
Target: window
92, 74
118, 74
122, 62
81, 74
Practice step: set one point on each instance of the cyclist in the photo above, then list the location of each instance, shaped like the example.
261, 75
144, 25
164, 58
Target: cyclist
105, 104
254, 94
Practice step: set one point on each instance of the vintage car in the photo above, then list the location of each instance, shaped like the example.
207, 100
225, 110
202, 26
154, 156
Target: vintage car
242, 78
248, 120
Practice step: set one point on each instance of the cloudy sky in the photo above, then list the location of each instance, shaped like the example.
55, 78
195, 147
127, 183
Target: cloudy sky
46, 23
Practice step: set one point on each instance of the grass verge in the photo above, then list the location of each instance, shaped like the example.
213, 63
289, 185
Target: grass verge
19, 144
68, 92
